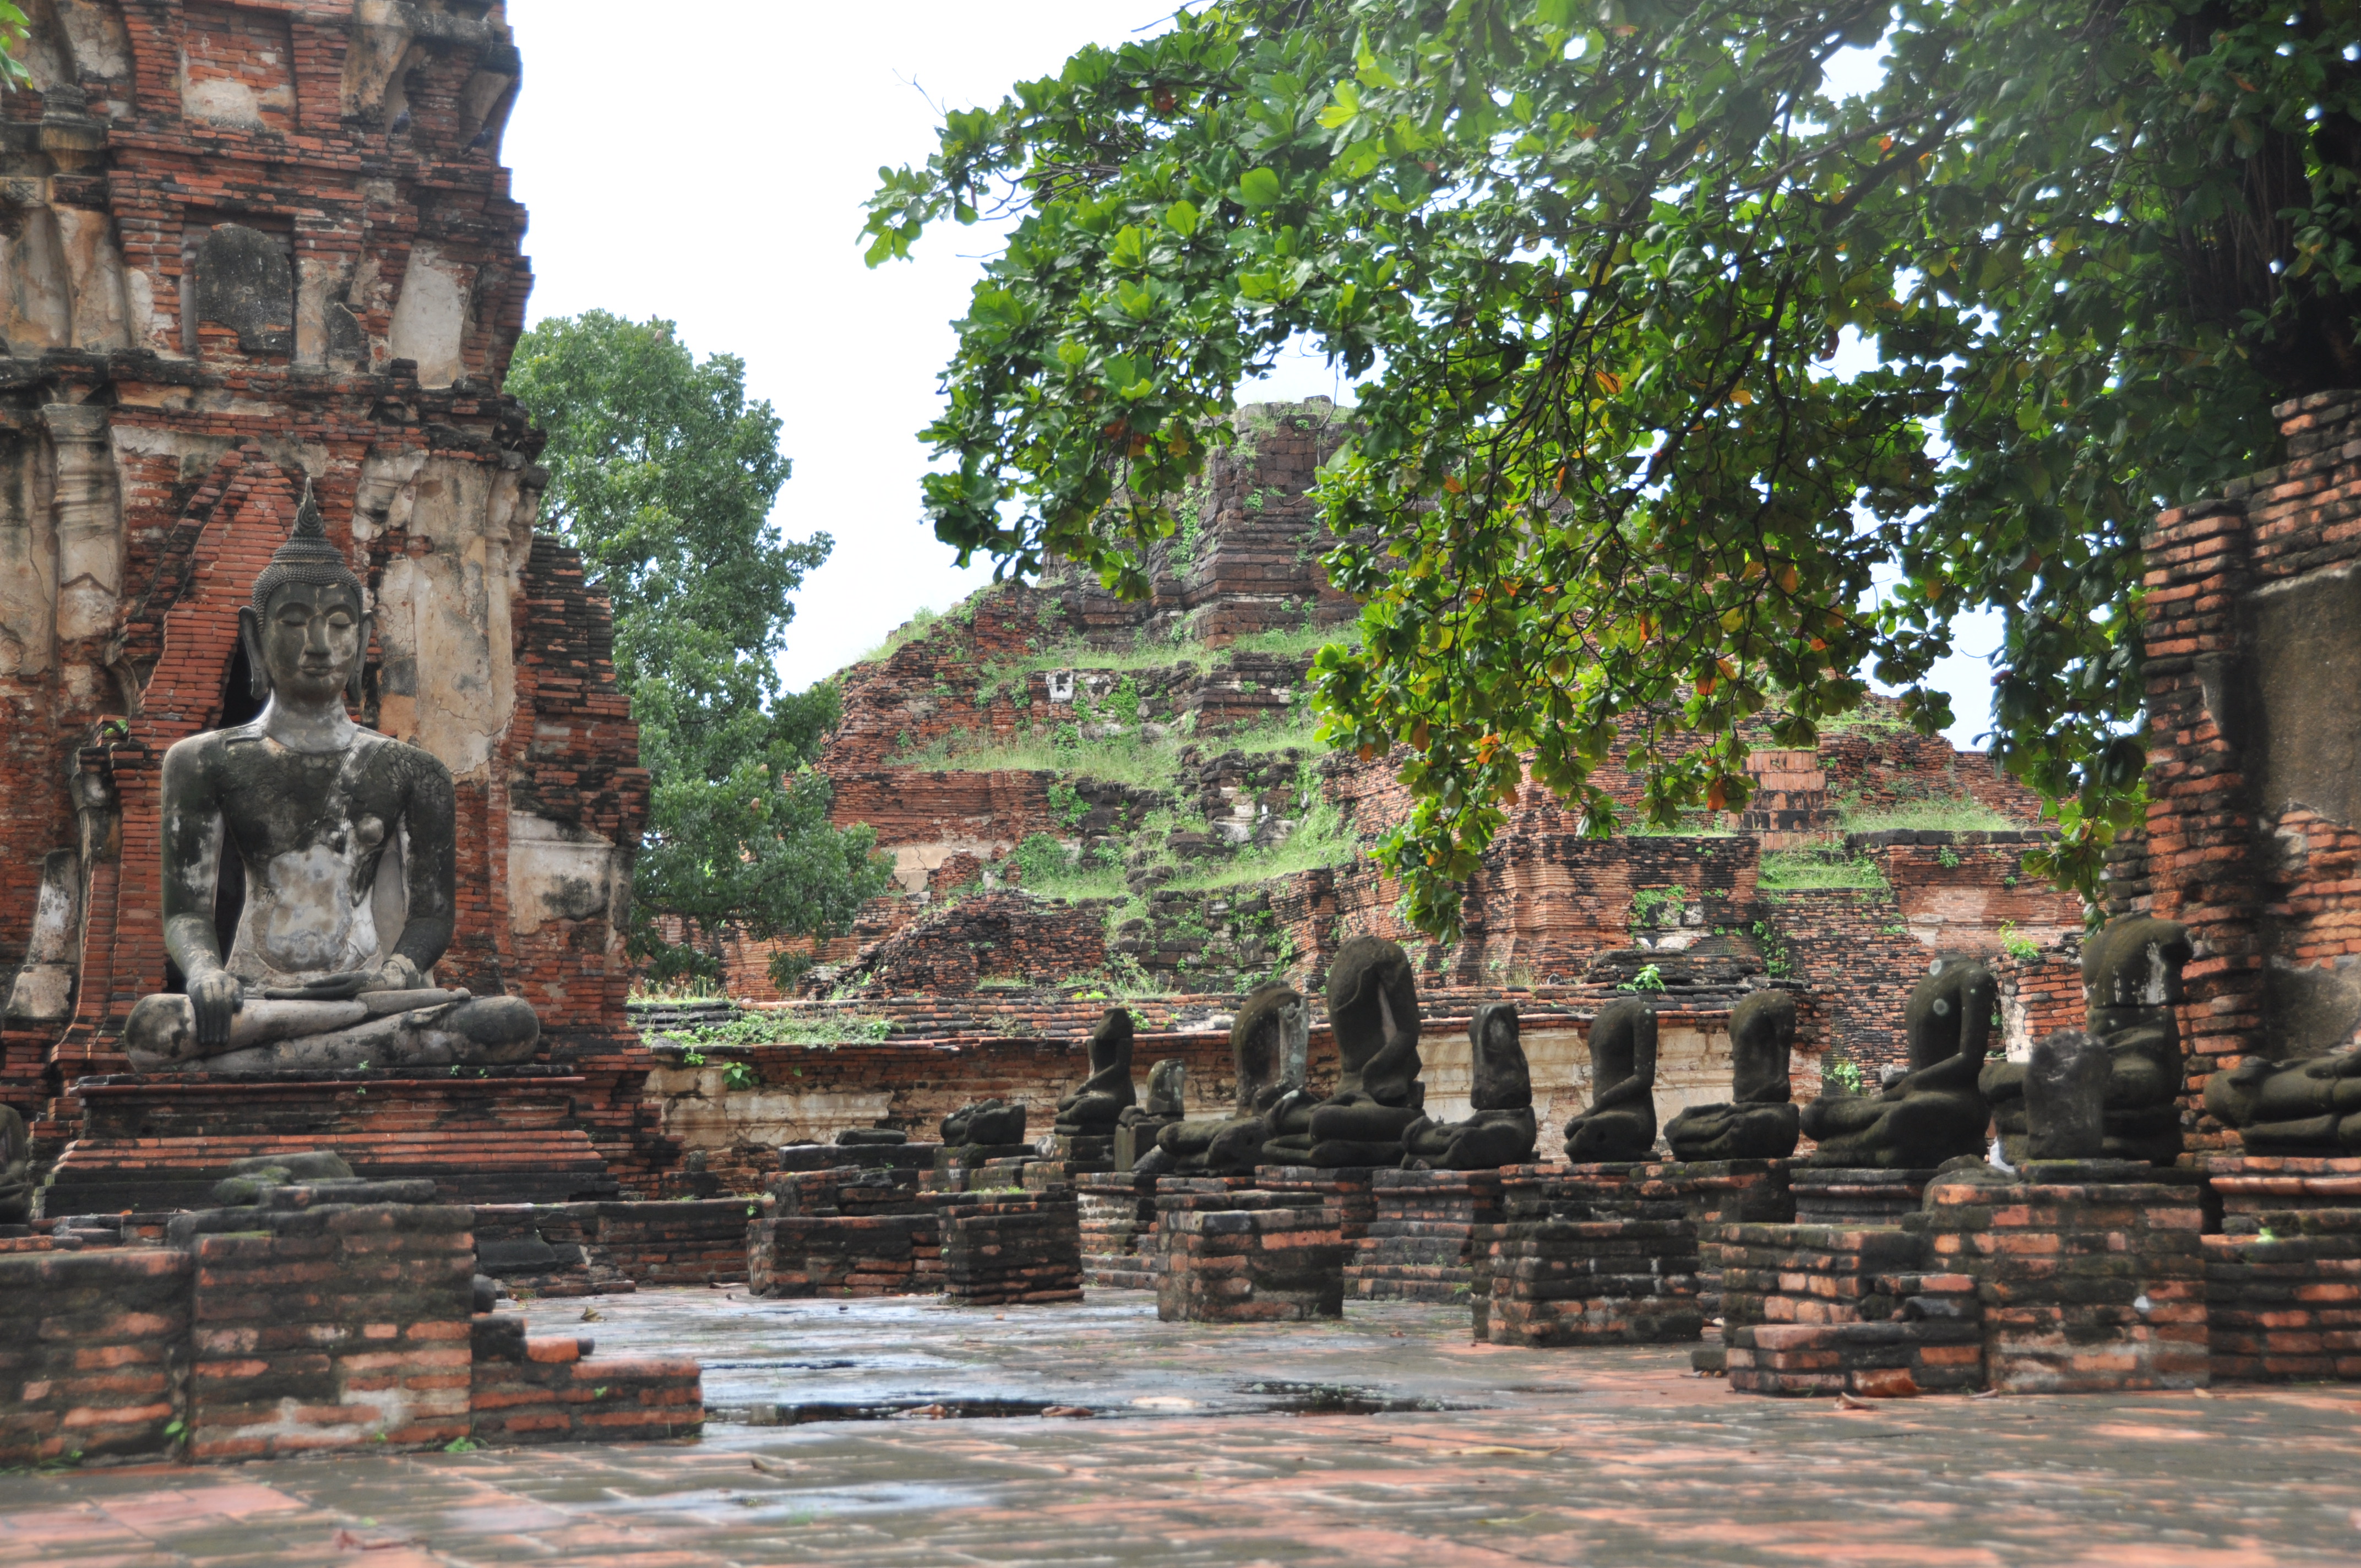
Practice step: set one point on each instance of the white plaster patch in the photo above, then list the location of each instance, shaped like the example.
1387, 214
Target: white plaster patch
222, 101
429, 319
700, 1111
444, 615
557, 872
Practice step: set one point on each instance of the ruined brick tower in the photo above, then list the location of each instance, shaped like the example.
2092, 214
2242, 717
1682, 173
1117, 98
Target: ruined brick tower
246, 245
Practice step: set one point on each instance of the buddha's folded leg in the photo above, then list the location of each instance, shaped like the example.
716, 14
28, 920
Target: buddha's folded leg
487, 1031
1364, 1122
1834, 1117
2294, 1136
1088, 1116
1236, 1148
1492, 1140
1606, 1136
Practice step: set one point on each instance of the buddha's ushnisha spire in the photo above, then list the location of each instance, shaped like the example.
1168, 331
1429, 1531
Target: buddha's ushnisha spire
306, 557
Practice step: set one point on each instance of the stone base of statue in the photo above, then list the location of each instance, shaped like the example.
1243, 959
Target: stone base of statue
2249, 1186
864, 1156
1626, 1189
1828, 1195
483, 1134
1248, 1256
1541, 1282
1417, 1244
2092, 1273
1082, 1152
1830, 1309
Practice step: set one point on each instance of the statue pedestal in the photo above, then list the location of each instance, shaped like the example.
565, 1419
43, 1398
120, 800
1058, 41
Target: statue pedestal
1546, 1281
1828, 1195
1349, 1193
912, 1157
499, 1134
1247, 1257
1417, 1247
1622, 1189
1826, 1310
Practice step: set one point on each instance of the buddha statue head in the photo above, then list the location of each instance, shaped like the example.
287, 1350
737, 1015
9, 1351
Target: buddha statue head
307, 631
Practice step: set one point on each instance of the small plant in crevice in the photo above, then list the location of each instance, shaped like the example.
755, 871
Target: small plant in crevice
1845, 1075
1648, 978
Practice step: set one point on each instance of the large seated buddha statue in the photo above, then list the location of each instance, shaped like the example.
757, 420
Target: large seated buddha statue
1093, 1109
346, 837
2131, 980
1934, 1111
1373, 1010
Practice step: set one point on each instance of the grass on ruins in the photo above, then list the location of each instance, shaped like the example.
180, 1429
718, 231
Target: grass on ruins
1959, 813
1791, 869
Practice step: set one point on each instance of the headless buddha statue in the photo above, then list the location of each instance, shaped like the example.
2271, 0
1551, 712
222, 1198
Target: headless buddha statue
15, 1168
1761, 1121
988, 1123
1268, 1049
2296, 1106
1135, 1128
1503, 1130
1092, 1110
1934, 1111
2131, 980
1620, 1122
346, 838
1373, 1008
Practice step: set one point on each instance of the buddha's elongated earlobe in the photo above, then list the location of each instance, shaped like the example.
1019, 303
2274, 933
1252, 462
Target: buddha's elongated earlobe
360, 662
258, 673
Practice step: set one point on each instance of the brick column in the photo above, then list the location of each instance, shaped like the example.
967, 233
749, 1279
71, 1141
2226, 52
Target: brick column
2201, 828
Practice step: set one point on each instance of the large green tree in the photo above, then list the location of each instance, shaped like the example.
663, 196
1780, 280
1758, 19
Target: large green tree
1595, 257
664, 476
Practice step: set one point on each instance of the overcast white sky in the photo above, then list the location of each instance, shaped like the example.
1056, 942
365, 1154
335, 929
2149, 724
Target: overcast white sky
710, 169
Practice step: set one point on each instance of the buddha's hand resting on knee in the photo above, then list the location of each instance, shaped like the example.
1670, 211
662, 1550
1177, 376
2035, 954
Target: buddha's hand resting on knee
214, 999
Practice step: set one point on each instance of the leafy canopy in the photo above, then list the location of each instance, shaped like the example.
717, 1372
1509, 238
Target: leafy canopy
664, 476
1595, 258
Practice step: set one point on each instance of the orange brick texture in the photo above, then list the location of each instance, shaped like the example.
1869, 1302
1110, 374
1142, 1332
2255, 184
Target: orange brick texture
1241, 1257
1116, 1212
91, 1347
1587, 1252
1826, 1310
549, 1390
846, 1232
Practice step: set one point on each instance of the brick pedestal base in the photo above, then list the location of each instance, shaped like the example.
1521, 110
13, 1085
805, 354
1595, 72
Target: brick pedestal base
1548, 1282
913, 1157
2283, 1300
1855, 1198
1417, 1246
1832, 1310
1263, 1258
1001, 1249
549, 1390
846, 1233
1347, 1192
2091, 1278
1117, 1213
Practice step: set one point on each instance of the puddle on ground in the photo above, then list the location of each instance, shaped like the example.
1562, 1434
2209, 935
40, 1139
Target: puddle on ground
1340, 1400
805, 1413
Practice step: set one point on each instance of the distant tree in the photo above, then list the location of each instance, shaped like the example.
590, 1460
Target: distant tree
664, 476
15, 30
1594, 256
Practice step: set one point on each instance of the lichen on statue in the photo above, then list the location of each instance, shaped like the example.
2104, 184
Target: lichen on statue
1761, 1120
2131, 984
1501, 1130
346, 838
1934, 1111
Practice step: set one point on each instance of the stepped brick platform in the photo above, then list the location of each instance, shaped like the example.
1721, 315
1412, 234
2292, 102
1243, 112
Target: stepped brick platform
2247, 1186
701, 1242
1417, 1246
2283, 1300
1834, 1309
1177, 1195
1827, 1196
88, 1343
2092, 1275
1249, 1257
847, 1233
1002, 1249
1621, 1190
1729, 1192
1117, 1212
1558, 1281
494, 1135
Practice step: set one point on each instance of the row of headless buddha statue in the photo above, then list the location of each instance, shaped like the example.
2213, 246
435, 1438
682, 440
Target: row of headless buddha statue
1376, 1115
2108, 1090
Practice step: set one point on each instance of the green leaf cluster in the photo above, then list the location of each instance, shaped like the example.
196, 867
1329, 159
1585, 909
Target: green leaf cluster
1605, 495
663, 474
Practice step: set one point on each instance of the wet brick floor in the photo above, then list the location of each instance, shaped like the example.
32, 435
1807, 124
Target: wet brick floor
1217, 1445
